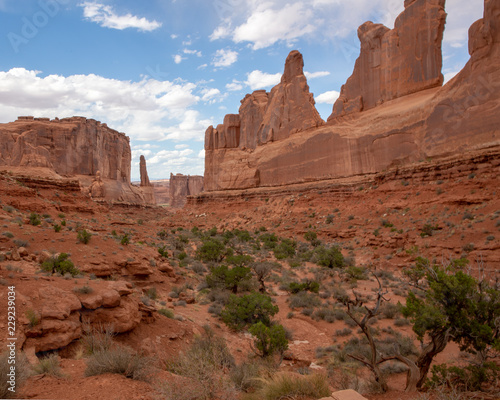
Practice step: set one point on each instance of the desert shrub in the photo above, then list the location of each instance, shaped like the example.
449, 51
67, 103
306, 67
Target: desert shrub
163, 234
57, 228
49, 365
33, 318
285, 249
329, 257
470, 378
245, 376
152, 293
285, 385
119, 360
269, 240
269, 339
21, 243
162, 251
166, 312
308, 286
355, 273
248, 310
325, 314
204, 363
96, 338
243, 236
22, 373
60, 264
125, 239
389, 310
83, 290
212, 250
10, 235
343, 332
34, 219
228, 278
83, 236
428, 230
304, 300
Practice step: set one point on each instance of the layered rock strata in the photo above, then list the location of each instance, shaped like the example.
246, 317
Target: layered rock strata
406, 121
71, 147
182, 186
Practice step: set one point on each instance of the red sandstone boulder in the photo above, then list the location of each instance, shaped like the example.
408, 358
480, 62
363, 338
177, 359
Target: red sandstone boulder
182, 186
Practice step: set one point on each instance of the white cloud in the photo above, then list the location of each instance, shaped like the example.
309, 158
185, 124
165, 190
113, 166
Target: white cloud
174, 36
106, 17
182, 146
145, 110
461, 15
209, 95
234, 86
267, 26
201, 154
202, 66
327, 97
314, 75
224, 58
220, 33
260, 80
178, 58
188, 51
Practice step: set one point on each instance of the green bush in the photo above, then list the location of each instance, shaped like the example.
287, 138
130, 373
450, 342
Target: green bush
250, 309
329, 257
60, 264
35, 219
125, 240
470, 378
162, 251
269, 340
33, 318
309, 286
212, 250
269, 240
167, 312
49, 365
304, 300
57, 228
228, 278
285, 249
83, 236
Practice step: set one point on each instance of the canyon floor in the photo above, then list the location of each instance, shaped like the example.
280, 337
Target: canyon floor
380, 226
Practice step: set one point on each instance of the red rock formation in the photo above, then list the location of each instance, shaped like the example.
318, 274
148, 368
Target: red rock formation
71, 147
434, 122
263, 118
162, 191
144, 172
394, 63
182, 186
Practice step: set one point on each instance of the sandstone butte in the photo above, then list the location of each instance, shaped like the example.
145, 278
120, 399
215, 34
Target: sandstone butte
393, 111
85, 149
182, 186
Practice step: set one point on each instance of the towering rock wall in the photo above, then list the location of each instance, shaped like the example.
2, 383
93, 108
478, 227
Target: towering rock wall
182, 186
162, 191
263, 118
395, 63
406, 115
146, 186
72, 147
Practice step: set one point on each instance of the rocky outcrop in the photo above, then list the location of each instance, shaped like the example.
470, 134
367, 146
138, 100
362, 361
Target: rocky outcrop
182, 186
58, 315
395, 63
144, 172
72, 147
414, 118
162, 191
263, 118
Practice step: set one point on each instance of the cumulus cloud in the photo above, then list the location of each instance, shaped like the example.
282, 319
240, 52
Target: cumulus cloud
314, 75
267, 26
196, 52
224, 58
327, 97
260, 80
140, 109
106, 17
234, 86
178, 58
461, 15
210, 94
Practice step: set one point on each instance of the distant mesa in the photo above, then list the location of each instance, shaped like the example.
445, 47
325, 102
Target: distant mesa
182, 186
99, 157
392, 111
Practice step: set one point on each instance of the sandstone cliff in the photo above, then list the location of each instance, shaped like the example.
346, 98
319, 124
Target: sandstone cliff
394, 63
71, 147
403, 122
182, 186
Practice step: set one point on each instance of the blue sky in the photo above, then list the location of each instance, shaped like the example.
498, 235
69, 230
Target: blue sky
162, 71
